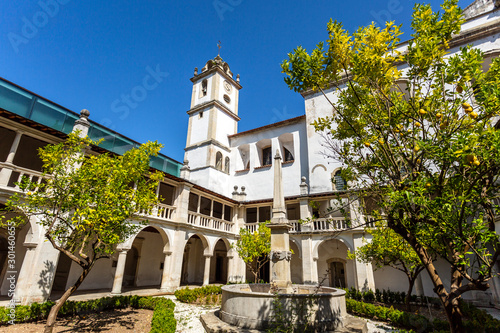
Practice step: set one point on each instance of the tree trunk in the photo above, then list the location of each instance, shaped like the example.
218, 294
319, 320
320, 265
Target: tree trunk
411, 282
51, 319
454, 316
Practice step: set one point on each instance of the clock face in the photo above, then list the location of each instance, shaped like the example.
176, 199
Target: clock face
227, 86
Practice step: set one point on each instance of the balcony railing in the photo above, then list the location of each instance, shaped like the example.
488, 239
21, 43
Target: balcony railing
321, 224
10, 175
161, 211
209, 222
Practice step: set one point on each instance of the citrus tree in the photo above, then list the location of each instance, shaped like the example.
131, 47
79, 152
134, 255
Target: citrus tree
254, 248
86, 201
387, 248
414, 127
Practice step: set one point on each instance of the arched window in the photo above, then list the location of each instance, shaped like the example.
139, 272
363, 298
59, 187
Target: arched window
266, 156
204, 85
218, 161
288, 155
340, 183
226, 165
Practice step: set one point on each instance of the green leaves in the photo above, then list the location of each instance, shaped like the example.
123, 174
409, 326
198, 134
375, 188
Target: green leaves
420, 143
87, 199
254, 247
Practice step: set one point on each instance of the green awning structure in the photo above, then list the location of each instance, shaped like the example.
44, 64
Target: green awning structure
30, 106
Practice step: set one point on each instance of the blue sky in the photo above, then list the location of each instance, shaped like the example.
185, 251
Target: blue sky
89, 54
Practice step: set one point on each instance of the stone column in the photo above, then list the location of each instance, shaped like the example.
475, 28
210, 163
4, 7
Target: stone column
120, 270
206, 273
364, 279
6, 172
166, 271
173, 280
280, 240
315, 269
39, 264
230, 268
308, 262
305, 208
182, 203
357, 218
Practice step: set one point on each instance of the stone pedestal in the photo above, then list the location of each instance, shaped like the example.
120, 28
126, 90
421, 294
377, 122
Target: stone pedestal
280, 257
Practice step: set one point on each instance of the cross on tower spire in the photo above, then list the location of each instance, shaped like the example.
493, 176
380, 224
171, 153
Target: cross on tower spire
218, 45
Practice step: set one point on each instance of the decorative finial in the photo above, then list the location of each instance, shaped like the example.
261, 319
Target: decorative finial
238, 78
243, 189
218, 45
195, 71
84, 114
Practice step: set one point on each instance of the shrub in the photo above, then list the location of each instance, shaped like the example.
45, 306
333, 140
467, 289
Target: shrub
164, 321
203, 295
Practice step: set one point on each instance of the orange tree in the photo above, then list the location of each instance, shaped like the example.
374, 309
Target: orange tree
414, 129
254, 248
387, 248
86, 201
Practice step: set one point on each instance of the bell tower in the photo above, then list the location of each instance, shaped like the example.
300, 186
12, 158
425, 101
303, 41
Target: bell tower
212, 117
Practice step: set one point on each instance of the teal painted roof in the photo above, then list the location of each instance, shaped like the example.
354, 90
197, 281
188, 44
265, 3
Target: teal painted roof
38, 109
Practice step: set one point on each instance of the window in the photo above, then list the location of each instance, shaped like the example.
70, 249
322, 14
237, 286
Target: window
218, 161
227, 99
166, 193
293, 212
288, 156
204, 85
287, 146
264, 213
251, 215
266, 156
226, 165
6, 138
227, 213
340, 183
193, 202
205, 206
217, 210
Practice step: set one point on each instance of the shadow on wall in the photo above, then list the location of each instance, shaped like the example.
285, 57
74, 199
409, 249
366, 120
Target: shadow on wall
46, 276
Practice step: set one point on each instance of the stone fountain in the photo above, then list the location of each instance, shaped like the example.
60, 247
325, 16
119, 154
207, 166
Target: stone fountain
253, 306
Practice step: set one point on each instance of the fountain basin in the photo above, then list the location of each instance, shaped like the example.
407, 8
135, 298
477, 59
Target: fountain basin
253, 306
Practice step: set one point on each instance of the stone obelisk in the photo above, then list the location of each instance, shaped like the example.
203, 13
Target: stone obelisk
280, 242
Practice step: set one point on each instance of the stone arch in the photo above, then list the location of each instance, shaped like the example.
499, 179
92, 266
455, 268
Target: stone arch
218, 161
145, 257
333, 266
318, 166
219, 262
296, 263
297, 243
339, 238
21, 236
196, 249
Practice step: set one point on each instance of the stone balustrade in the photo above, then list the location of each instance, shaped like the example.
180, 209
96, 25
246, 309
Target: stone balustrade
209, 222
11, 174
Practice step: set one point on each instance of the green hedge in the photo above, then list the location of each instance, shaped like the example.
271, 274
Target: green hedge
163, 316
207, 294
481, 321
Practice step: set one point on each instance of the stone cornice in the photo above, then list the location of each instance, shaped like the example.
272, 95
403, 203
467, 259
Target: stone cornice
206, 143
213, 103
218, 70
